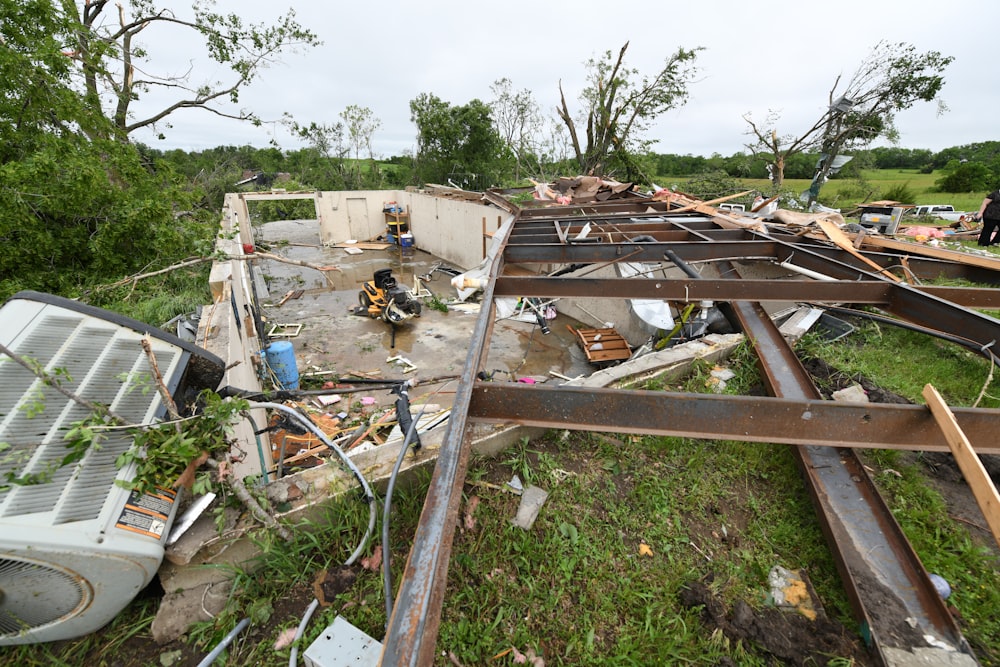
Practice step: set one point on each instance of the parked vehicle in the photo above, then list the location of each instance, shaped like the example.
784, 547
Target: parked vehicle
941, 211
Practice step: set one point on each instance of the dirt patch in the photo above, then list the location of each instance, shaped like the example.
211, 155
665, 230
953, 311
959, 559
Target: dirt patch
788, 636
942, 471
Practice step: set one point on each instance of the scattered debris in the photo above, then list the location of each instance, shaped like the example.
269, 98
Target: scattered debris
284, 330
399, 360
469, 521
792, 638
285, 639
290, 294
373, 562
527, 658
331, 583
791, 590
603, 346
718, 377
515, 485
532, 500
941, 585
853, 394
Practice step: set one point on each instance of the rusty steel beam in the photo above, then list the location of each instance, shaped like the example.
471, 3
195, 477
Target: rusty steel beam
596, 253
412, 628
882, 574
413, 625
924, 268
969, 297
713, 416
905, 301
687, 289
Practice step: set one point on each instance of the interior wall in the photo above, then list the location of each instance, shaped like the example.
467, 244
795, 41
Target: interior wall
448, 228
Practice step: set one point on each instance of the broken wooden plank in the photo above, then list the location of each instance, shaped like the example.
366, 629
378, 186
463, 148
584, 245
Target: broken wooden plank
877, 242
968, 461
290, 294
835, 234
710, 202
603, 345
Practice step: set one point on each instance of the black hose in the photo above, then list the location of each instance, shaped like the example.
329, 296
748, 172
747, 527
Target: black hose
724, 308
967, 343
681, 264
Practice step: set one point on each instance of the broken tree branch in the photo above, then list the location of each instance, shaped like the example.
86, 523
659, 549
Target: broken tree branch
200, 260
49, 381
251, 503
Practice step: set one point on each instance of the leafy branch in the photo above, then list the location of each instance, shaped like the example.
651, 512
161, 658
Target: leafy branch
171, 450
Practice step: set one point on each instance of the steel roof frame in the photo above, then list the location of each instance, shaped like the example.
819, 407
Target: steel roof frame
796, 416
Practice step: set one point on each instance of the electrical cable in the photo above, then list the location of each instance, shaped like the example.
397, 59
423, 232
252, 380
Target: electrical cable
387, 502
226, 641
369, 496
260, 450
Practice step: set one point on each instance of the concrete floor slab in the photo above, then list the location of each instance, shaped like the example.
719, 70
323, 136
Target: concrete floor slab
333, 339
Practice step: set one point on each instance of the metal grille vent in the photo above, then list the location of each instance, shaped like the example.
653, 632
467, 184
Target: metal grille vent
34, 595
97, 360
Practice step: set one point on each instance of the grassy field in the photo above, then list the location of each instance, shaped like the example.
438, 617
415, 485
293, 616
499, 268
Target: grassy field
845, 193
631, 528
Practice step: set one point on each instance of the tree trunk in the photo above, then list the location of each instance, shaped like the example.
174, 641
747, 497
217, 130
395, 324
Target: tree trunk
778, 172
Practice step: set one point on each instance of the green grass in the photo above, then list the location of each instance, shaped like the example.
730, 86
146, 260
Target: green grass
576, 586
845, 193
904, 361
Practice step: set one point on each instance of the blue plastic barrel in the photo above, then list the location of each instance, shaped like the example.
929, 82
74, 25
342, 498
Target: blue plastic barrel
281, 358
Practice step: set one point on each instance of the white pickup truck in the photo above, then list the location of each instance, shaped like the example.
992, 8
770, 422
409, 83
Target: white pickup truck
941, 211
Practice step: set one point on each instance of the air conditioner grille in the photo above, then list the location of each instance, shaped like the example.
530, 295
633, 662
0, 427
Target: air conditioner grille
34, 595
104, 364
85, 497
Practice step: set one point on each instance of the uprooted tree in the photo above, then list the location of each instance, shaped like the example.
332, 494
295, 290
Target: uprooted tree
891, 79
117, 69
619, 105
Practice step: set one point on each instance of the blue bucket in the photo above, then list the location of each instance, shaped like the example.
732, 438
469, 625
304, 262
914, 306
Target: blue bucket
280, 357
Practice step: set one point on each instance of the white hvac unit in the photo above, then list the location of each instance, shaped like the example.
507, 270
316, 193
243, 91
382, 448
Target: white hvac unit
77, 548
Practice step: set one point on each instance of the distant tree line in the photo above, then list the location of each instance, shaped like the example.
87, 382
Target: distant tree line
82, 204
803, 165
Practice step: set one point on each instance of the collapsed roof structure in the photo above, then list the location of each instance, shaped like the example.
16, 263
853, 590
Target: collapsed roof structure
731, 262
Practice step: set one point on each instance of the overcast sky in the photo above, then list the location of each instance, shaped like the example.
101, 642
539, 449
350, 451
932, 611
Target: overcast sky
763, 55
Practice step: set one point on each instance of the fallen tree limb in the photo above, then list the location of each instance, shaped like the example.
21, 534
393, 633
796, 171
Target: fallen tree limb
133, 279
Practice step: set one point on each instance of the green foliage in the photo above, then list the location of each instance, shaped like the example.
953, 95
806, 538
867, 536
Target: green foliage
284, 209
75, 212
892, 78
967, 177
100, 43
434, 302
161, 453
619, 106
900, 192
39, 100
455, 139
711, 185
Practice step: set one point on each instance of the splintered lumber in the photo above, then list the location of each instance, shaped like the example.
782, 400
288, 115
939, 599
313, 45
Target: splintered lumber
919, 249
972, 468
290, 294
696, 206
835, 234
